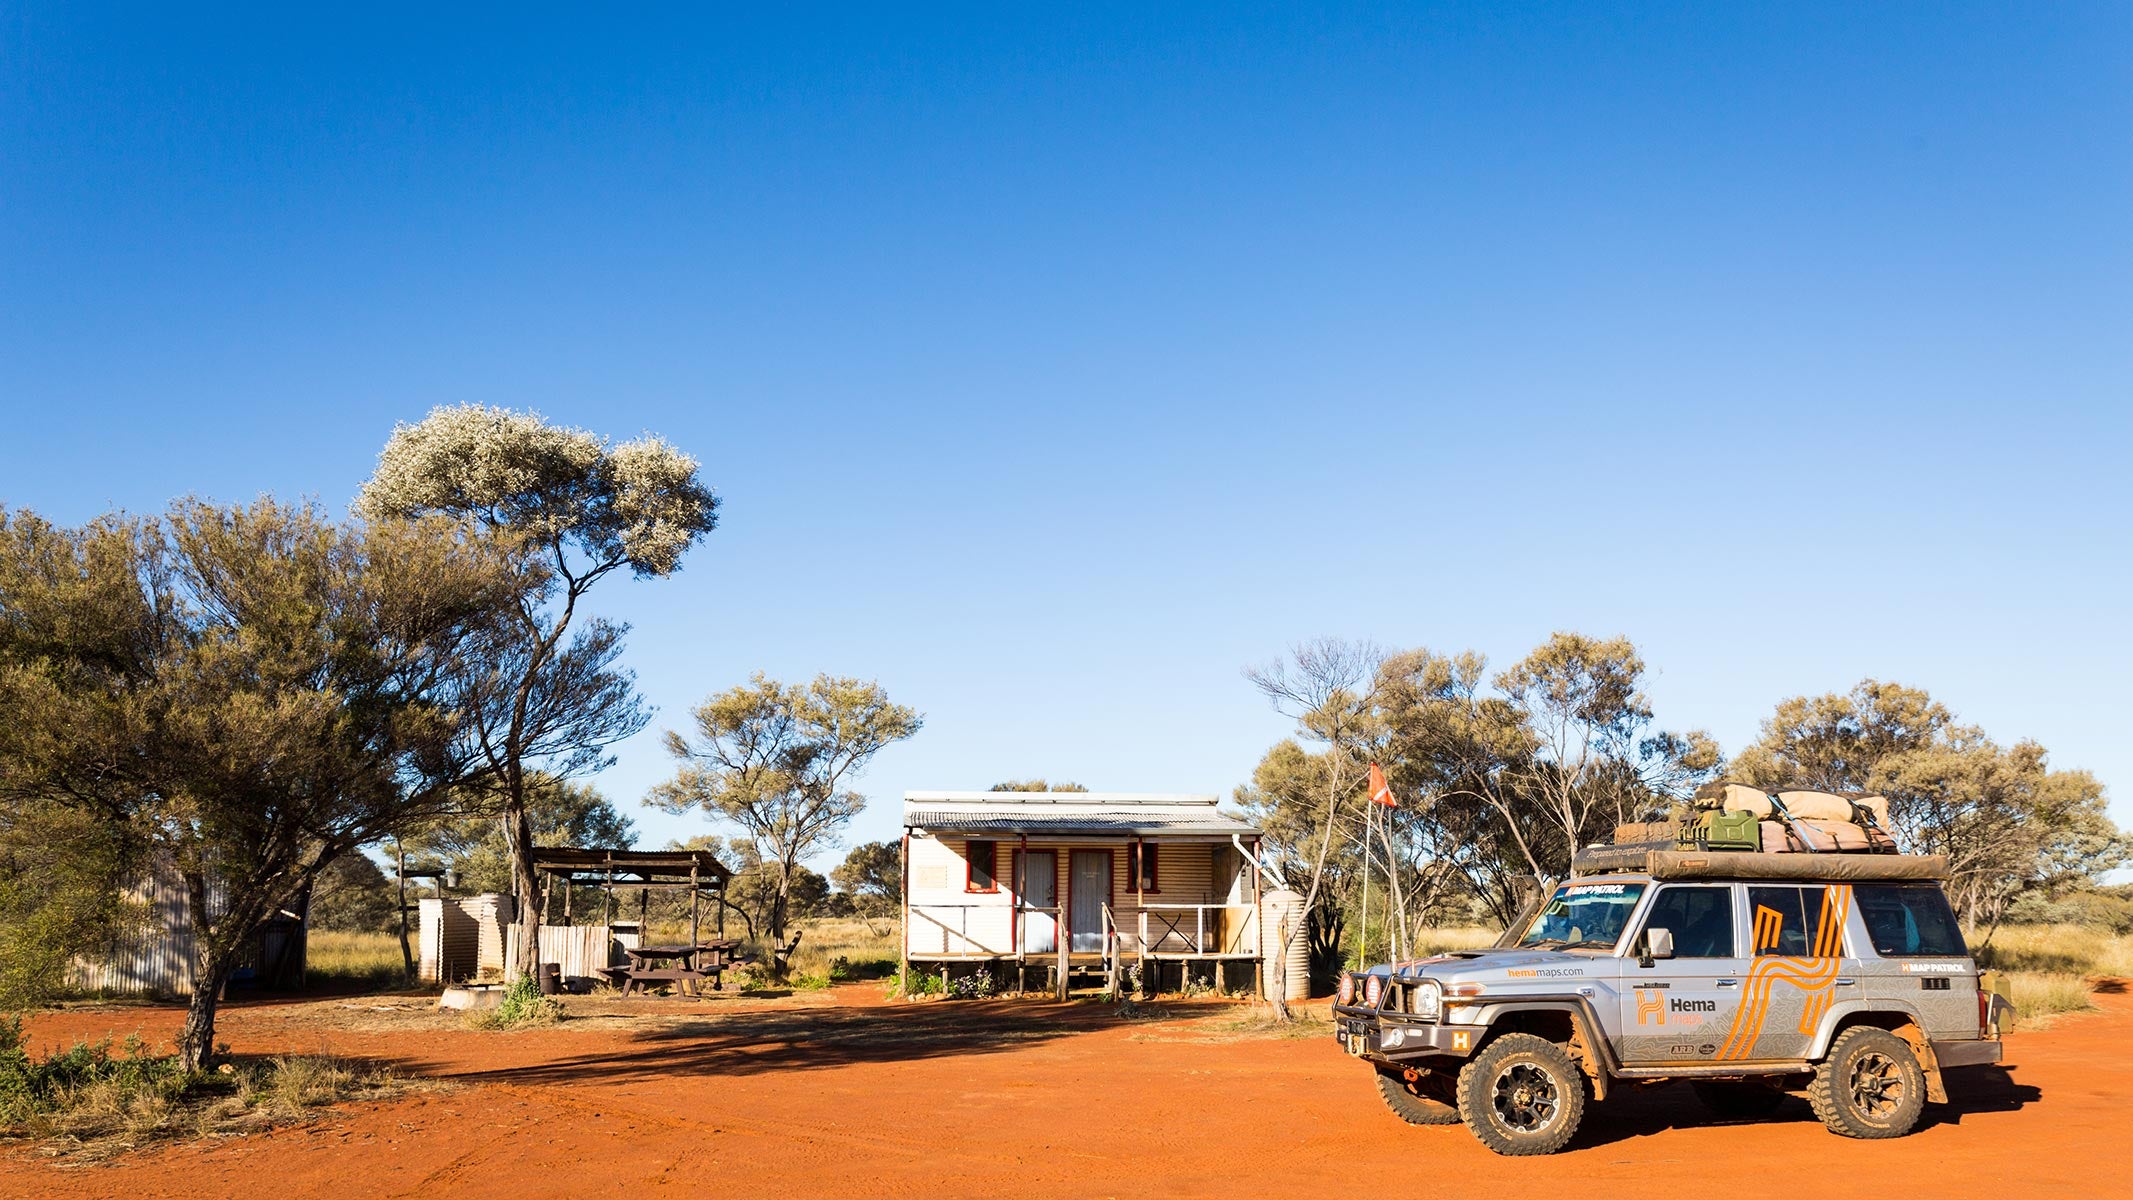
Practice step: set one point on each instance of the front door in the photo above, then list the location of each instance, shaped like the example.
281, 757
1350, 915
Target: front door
1037, 874
1681, 1009
1088, 890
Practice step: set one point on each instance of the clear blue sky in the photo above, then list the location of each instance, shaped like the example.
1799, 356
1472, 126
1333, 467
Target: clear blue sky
1054, 367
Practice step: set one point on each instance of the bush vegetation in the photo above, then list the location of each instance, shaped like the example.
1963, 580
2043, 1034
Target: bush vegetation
523, 1007
96, 1099
2054, 969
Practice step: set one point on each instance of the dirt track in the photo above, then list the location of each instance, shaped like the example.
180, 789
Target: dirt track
851, 1097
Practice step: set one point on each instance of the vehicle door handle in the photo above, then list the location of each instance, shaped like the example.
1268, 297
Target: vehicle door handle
1729, 983
1843, 982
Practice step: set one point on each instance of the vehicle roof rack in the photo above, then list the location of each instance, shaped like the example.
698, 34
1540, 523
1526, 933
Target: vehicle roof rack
1741, 864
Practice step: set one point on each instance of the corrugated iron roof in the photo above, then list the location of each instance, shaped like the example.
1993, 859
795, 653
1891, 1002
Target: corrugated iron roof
1122, 823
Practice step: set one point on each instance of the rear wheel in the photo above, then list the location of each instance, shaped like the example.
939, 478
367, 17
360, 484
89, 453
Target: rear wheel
1522, 1095
1738, 1101
1429, 1100
1870, 1086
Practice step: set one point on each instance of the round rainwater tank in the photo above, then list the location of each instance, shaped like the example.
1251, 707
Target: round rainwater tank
1287, 966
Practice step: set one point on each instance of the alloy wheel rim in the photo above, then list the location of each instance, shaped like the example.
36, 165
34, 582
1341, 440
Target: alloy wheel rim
1876, 1085
1525, 1098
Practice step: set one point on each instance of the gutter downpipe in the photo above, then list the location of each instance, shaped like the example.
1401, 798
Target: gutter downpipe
1253, 858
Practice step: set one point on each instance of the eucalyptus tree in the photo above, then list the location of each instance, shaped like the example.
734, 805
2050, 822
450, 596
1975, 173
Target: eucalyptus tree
553, 698
2003, 816
253, 692
872, 875
1328, 687
777, 760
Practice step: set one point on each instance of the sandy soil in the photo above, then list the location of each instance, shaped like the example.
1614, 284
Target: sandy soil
840, 1094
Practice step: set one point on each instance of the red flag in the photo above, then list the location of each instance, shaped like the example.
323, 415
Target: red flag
1381, 791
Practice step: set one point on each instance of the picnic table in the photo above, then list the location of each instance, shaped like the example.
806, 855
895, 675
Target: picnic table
684, 965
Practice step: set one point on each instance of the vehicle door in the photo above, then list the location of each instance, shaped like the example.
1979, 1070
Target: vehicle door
1797, 969
1678, 1009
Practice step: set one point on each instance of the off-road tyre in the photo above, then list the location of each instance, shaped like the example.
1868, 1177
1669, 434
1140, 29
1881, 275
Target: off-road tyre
1522, 1095
1730, 1101
1870, 1085
1429, 1100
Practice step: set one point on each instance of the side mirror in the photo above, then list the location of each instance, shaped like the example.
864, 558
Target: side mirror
1659, 943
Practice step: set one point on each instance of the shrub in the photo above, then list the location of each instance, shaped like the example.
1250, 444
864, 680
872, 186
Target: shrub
522, 1007
919, 983
977, 985
95, 1101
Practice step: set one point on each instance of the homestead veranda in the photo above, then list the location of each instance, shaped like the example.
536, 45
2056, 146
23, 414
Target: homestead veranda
1120, 890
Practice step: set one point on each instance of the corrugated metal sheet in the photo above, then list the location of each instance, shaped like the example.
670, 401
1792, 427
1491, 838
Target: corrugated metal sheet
451, 941
155, 958
580, 949
1060, 824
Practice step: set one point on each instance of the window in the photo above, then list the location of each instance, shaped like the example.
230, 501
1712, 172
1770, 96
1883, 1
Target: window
1700, 918
1791, 921
1140, 867
1906, 922
984, 860
1584, 914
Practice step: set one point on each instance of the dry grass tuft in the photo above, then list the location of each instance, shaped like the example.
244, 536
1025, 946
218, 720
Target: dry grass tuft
2053, 969
354, 960
88, 1103
2041, 995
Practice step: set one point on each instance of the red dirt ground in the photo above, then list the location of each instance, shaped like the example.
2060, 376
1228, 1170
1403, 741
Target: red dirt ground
847, 1096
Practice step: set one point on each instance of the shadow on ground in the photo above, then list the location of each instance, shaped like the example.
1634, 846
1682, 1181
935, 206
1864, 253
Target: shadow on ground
751, 1043
1642, 1112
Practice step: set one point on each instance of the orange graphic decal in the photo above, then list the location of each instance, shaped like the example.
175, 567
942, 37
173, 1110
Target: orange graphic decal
1813, 974
1651, 1002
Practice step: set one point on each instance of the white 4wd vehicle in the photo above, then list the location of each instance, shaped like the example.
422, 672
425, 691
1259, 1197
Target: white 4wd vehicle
1752, 975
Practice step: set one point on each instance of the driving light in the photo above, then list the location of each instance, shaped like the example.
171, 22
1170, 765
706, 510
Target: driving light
1373, 990
1346, 994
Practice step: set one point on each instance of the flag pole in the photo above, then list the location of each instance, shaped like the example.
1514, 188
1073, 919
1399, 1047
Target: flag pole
1362, 949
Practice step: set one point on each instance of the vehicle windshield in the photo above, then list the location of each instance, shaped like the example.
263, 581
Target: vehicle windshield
1583, 915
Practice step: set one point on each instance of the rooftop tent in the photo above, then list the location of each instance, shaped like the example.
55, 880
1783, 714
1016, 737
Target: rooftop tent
1696, 864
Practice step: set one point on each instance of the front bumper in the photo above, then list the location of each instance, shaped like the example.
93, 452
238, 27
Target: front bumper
1389, 1039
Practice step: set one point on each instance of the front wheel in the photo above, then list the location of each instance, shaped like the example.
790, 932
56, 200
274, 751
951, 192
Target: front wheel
1522, 1095
1870, 1086
1429, 1100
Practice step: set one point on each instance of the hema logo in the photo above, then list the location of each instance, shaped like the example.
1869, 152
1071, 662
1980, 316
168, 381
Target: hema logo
1696, 1006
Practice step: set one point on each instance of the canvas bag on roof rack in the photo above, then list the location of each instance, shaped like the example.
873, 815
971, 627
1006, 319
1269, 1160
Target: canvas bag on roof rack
1805, 820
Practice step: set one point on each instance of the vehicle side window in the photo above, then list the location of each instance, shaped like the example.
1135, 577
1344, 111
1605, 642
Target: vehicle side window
1906, 922
1794, 921
1700, 918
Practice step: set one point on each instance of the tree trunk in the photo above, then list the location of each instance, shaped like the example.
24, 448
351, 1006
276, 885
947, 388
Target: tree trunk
211, 970
407, 951
518, 834
778, 907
